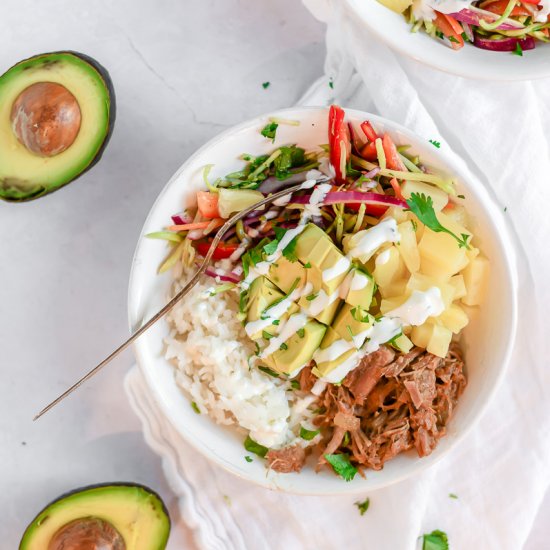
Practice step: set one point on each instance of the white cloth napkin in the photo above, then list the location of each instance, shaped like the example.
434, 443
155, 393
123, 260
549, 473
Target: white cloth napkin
501, 471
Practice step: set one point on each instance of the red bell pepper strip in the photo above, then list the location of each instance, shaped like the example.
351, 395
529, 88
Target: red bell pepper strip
499, 6
397, 189
369, 130
393, 160
450, 28
339, 142
222, 251
376, 210
369, 152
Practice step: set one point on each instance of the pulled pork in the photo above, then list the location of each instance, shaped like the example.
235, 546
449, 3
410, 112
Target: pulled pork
390, 404
289, 459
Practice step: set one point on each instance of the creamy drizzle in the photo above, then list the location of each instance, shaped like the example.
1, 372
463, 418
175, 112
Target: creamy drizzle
365, 243
339, 268
419, 306
383, 258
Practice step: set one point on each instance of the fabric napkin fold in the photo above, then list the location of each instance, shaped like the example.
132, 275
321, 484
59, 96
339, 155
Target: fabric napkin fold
501, 470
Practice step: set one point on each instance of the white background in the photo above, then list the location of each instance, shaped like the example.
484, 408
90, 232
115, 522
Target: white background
183, 71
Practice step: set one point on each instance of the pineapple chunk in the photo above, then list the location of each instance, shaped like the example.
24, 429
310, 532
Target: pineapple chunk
439, 341
422, 282
408, 247
439, 197
421, 335
391, 270
397, 213
454, 318
398, 6
387, 304
440, 255
475, 276
434, 338
457, 281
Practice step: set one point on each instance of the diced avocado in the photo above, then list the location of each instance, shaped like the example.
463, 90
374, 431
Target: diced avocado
334, 268
261, 294
297, 350
361, 289
307, 240
402, 343
57, 112
352, 321
119, 515
316, 301
340, 351
284, 273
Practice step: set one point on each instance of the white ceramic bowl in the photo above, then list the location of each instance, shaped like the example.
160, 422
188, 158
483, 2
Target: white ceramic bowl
488, 339
470, 62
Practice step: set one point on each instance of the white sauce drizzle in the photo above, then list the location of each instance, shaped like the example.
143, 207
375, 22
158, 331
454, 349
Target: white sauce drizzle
419, 306
365, 243
382, 258
339, 268
359, 281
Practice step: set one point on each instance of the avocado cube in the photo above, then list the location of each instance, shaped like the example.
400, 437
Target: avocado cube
317, 302
334, 268
261, 294
402, 343
284, 273
361, 289
351, 322
332, 340
298, 349
307, 240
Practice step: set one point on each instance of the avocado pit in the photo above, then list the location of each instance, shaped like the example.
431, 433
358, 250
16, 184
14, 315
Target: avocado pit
87, 534
46, 118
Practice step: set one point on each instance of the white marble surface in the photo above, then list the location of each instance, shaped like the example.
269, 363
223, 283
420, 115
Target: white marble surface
183, 71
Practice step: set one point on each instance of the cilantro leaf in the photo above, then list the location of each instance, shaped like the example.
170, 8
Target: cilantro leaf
301, 332
331, 84
266, 335
295, 384
307, 265
289, 252
283, 347
435, 143
290, 157
270, 247
363, 506
422, 206
253, 447
342, 466
248, 458
195, 407
269, 130
269, 371
436, 540
308, 435
452, 495
518, 50
266, 85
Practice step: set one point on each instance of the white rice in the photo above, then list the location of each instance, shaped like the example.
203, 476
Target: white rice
211, 353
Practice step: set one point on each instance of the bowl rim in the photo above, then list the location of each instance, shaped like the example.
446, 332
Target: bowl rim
359, 9
451, 160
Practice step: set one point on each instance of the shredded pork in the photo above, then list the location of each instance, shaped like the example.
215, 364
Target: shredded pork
389, 404
289, 459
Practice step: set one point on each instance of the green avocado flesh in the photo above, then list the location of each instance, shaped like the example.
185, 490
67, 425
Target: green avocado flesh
320, 268
26, 175
106, 517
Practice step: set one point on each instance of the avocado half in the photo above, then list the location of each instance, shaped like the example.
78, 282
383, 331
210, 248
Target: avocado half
57, 113
115, 516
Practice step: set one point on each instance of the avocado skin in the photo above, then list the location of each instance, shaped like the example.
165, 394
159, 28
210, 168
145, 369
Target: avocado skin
106, 78
68, 494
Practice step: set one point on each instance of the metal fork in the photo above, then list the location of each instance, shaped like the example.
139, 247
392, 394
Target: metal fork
192, 282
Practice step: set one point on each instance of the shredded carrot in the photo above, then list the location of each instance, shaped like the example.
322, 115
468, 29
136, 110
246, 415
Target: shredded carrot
197, 225
397, 189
